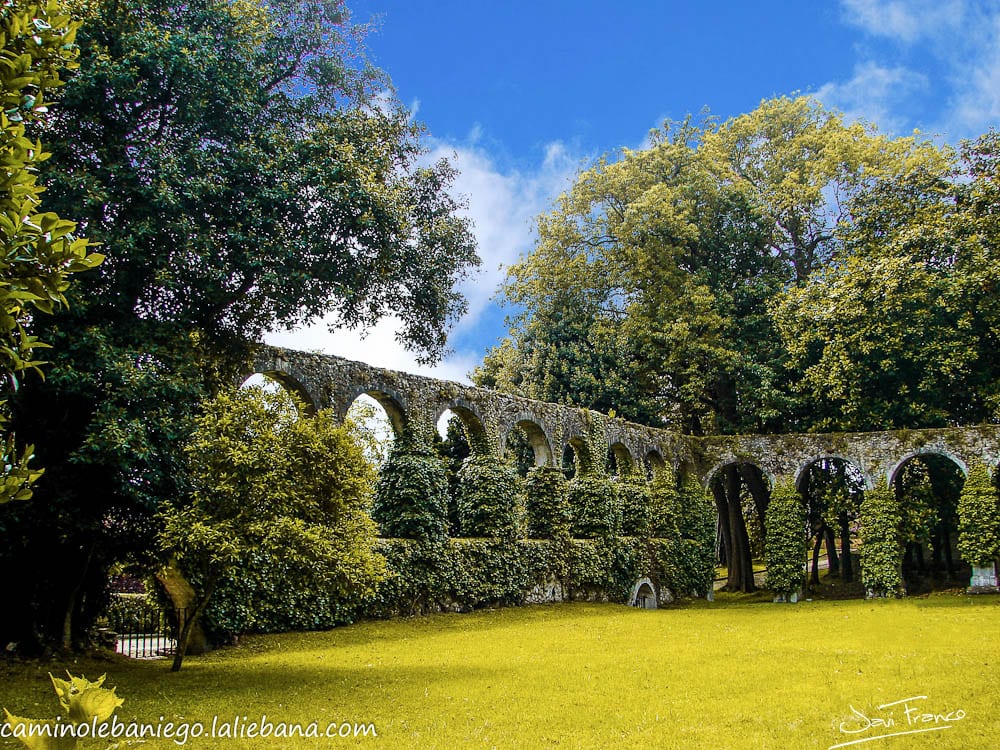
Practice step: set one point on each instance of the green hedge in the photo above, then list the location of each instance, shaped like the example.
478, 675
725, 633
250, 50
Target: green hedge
488, 498
411, 497
546, 500
881, 543
594, 510
978, 519
465, 574
787, 542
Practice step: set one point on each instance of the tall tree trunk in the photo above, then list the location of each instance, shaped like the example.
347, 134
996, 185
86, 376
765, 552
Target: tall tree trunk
719, 495
814, 578
190, 620
832, 558
741, 562
67, 631
846, 563
759, 491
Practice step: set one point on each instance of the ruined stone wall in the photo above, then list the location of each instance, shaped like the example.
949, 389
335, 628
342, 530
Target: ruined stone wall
417, 402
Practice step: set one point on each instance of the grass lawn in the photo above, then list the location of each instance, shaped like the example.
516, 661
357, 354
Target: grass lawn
727, 674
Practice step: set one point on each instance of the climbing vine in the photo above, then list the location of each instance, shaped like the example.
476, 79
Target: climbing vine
787, 541
881, 544
978, 519
546, 503
488, 498
411, 497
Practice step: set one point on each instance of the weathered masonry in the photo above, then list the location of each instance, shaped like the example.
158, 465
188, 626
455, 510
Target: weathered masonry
417, 402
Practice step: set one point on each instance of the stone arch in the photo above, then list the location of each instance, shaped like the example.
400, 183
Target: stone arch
472, 420
538, 437
894, 470
643, 594
739, 460
585, 459
655, 461
623, 458
388, 399
290, 384
804, 467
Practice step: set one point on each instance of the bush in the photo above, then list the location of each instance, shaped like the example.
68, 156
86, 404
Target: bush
488, 498
411, 497
694, 553
593, 504
881, 545
786, 544
635, 499
546, 502
978, 519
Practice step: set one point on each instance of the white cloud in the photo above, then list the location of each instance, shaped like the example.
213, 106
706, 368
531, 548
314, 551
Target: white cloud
906, 20
943, 53
874, 94
502, 205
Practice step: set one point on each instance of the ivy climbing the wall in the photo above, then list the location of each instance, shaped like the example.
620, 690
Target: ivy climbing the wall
978, 519
488, 498
786, 544
411, 497
881, 543
546, 503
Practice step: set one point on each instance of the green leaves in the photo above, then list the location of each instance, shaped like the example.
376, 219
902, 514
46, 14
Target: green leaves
82, 702
38, 251
787, 540
979, 518
881, 542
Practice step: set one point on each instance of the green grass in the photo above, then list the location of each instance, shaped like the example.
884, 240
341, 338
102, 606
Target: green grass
708, 675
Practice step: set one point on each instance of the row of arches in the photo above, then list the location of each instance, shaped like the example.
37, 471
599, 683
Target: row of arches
387, 413
927, 485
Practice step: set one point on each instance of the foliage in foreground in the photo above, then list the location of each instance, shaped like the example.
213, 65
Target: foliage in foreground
276, 518
258, 177
38, 250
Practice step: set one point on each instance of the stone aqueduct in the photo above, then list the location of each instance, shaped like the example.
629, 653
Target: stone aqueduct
417, 402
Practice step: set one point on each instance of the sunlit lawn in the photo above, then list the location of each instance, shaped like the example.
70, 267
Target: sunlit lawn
726, 674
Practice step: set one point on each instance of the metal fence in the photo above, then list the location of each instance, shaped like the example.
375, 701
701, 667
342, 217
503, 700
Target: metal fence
148, 635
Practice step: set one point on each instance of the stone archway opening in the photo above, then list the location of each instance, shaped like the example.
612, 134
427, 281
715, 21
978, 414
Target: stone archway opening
833, 488
280, 384
927, 486
741, 492
643, 595
620, 463
526, 445
373, 428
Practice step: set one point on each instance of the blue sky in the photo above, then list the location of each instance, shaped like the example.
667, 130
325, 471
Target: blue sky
520, 95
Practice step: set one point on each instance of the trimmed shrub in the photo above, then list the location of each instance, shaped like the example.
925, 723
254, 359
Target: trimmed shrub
546, 503
881, 545
593, 504
411, 497
786, 545
978, 519
488, 493
694, 549
635, 498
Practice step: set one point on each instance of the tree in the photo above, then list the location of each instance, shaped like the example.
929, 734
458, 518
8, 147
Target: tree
245, 171
39, 249
411, 497
268, 483
978, 519
674, 256
786, 542
900, 330
881, 543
